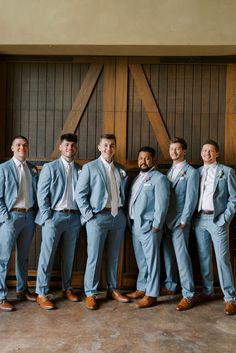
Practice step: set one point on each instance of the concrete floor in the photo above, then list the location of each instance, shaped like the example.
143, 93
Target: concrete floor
117, 328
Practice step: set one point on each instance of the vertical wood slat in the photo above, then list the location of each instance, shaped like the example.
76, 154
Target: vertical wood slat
80, 103
151, 108
3, 82
230, 115
121, 107
109, 95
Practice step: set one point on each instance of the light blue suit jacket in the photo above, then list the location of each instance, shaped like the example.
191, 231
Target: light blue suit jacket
51, 186
224, 195
9, 186
152, 201
91, 191
183, 197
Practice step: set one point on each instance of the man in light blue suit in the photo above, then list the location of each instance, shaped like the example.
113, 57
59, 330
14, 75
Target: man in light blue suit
60, 220
18, 183
216, 208
183, 200
148, 206
100, 194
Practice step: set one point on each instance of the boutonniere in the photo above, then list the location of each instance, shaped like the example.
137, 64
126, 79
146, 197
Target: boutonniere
79, 171
34, 171
220, 174
146, 178
123, 173
182, 173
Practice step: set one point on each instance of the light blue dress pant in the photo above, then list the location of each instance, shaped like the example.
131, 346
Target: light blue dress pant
17, 230
175, 246
64, 227
207, 233
103, 228
147, 254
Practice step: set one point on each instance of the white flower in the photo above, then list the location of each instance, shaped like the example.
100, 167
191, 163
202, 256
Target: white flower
123, 173
220, 173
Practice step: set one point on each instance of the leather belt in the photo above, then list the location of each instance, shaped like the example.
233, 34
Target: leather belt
206, 212
24, 210
108, 209
67, 211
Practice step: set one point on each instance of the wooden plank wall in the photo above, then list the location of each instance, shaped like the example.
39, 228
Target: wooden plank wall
194, 101
191, 99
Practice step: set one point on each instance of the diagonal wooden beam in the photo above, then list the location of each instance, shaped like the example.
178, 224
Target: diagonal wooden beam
80, 103
151, 108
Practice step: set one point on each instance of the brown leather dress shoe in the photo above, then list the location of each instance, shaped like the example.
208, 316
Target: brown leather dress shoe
136, 294
5, 305
146, 302
26, 294
44, 302
116, 295
91, 303
165, 291
70, 295
184, 304
230, 308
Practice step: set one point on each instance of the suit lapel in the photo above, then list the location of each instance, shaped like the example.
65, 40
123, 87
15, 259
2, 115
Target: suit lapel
181, 173
14, 171
101, 170
62, 170
219, 167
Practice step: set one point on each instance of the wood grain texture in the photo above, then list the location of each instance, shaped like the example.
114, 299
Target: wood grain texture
80, 103
150, 107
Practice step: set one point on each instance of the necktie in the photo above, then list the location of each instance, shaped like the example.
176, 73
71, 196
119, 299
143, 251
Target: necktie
24, 185
69, 191
114, 195
202, 188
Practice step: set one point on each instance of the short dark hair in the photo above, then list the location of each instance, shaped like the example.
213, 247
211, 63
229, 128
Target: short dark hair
179, 140
108, 137
69, 137
19, 137
148, 149
213, 143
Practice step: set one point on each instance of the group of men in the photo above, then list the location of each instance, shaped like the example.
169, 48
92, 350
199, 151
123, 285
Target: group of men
158, 208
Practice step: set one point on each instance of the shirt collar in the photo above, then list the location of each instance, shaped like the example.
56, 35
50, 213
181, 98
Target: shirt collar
106, 164
17, 162
179, 165
146, 173
210, 166
65, 163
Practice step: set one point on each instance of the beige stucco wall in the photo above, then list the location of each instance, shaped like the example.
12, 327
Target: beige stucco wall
88, 24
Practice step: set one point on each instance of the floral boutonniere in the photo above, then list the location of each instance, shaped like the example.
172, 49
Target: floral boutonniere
146, 178
79, 171
220, 174
34, 171
182, 173
123, 173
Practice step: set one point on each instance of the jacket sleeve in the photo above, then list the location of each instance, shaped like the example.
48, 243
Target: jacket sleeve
162, 195
3, 208
82, 194
231, 205
191, 197
43, 193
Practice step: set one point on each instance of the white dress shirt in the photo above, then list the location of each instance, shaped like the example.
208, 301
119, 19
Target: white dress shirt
62, 204
207, 198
